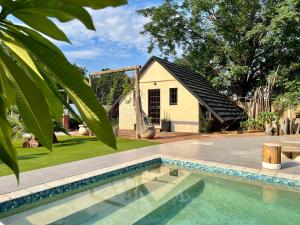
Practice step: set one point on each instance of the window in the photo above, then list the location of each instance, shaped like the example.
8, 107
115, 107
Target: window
173, 96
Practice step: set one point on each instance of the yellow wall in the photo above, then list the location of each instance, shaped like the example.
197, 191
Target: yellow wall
127, 113
184, 115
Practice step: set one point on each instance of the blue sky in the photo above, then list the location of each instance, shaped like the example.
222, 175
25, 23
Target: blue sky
117, 41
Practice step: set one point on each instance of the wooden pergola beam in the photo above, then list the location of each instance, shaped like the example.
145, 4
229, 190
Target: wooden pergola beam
100, 73
140, 124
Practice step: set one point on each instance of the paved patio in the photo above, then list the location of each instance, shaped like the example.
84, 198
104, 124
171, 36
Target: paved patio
239, 151
168, 137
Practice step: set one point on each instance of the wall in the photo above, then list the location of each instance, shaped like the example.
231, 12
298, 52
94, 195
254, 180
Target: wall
127, 113
184, 115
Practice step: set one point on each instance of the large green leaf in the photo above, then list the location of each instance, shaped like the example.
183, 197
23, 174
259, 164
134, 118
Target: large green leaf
41, 24
35, 35
6, 90
7, 150
51, 83
30, 101
42, 70
22, 56
75, 85
21, 80
96, 4
58, 9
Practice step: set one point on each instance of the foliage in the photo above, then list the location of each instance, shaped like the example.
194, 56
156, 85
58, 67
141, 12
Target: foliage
57, 127
31, 66
82, 69
17, 125
235, 44
19, 129
251, 124
110, 87
244, 125
69, 149
267, 117
259, 123
205, 124
288, 89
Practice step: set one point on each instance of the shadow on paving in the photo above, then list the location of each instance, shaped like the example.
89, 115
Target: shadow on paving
289, 164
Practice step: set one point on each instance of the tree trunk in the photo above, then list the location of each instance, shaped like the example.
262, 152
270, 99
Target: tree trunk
241, 91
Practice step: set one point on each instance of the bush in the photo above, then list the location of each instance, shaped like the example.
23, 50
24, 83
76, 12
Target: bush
268, 117
259, 123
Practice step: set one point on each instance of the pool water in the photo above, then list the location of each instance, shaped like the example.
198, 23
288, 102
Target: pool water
166, 195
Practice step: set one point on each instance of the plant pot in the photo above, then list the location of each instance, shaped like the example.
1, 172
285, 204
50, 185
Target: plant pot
166, 126
149, 133
83, 130
268, 129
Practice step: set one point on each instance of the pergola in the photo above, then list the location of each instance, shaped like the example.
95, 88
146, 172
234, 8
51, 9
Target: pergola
140, 123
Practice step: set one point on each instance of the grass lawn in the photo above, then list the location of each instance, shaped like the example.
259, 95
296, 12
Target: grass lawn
68, 150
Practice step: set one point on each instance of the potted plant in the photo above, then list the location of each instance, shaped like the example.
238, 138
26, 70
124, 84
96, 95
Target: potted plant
244, 125
165, 125
266, 119
83, 130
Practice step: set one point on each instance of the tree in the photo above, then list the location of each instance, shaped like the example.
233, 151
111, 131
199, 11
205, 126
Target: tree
235, 44
82, 69
287, 94
110, 87
31, 66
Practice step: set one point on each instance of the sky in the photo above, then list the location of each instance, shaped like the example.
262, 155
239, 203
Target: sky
117, 41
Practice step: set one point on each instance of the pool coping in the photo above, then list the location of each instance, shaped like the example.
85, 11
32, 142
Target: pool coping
16, 199
13, 200
265, 175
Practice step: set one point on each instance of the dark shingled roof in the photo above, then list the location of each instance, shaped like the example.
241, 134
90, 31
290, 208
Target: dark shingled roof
216, 103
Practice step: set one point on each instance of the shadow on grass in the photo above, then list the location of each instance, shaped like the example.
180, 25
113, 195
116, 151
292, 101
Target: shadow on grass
31, 156
26, 157
78, 140
74, 141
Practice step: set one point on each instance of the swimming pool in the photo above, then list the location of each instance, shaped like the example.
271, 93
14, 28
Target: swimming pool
165, 194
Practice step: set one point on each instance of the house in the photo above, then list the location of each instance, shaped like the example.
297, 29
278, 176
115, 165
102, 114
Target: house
172, 92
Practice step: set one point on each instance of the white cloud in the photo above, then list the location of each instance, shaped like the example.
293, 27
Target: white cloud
94, 53
83, 54
120, 25
117, 34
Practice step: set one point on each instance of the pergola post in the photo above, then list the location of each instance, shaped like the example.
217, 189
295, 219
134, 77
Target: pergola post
138, 109
137, 100
91, 85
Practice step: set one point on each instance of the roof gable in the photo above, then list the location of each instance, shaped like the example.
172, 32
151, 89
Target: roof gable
219, 105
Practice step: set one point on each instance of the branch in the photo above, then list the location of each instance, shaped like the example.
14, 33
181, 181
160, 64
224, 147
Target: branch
214, 70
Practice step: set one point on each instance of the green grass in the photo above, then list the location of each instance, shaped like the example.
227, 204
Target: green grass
68, 150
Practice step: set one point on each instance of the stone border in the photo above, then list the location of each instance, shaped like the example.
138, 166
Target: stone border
269, 176
15, 200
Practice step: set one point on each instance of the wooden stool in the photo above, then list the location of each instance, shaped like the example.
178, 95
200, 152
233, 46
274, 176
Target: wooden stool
271, 156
